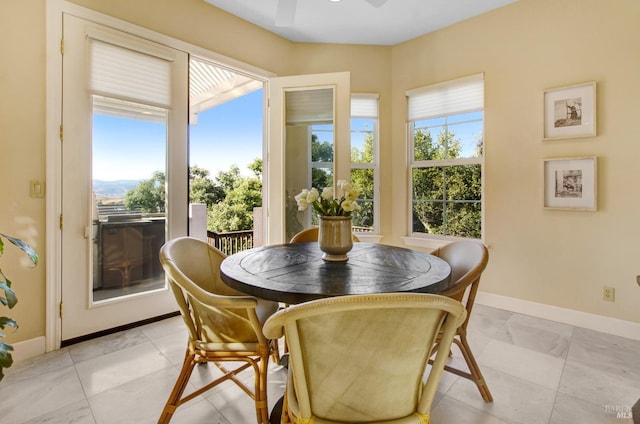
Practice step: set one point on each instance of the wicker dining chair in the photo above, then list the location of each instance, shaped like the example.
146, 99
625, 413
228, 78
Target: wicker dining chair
311, 234
467, 259
357, 358
224, 325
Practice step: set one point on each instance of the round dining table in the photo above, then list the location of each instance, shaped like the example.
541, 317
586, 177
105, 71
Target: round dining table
295, 272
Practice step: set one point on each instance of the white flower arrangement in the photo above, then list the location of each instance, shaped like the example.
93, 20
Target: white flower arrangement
326, 204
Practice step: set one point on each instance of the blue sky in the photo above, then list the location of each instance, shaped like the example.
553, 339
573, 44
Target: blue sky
231, 133
228, 134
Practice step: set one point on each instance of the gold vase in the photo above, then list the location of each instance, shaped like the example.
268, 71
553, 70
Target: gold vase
334, 237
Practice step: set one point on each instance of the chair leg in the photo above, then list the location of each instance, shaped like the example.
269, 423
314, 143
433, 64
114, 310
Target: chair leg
474, 368
181, 383
260, 390
275, 351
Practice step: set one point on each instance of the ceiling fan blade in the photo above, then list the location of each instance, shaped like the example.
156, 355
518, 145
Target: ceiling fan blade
285, 13
376, 3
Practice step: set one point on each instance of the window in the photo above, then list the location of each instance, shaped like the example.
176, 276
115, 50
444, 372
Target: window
445, 131
364, 159
322, 156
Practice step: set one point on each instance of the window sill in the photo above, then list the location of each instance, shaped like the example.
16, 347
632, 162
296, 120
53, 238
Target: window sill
368, 238
425, 243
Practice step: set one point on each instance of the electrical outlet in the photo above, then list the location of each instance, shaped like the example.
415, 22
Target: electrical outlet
609, 294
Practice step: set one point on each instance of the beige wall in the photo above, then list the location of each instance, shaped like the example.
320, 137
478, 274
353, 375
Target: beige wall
22, 156
560, 258
553, 257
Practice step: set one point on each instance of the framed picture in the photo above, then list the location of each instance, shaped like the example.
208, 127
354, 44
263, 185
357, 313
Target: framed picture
570, 183
570, 112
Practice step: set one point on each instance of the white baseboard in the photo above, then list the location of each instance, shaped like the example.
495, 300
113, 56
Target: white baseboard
594, 322
28, 348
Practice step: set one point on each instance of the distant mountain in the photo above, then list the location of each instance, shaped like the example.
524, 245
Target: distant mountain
113, 188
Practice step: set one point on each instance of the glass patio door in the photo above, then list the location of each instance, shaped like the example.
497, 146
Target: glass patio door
124, 175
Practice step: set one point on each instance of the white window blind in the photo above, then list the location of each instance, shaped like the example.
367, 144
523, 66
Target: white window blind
451, 97
128, 74
364, 105
309, 106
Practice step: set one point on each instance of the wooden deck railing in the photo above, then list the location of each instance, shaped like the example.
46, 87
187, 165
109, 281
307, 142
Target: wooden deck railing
231, 242
237, 241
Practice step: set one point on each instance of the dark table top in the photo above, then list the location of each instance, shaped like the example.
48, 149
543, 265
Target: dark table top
295, 273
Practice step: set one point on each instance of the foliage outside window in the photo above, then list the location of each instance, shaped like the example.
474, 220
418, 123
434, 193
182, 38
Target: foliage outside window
364, 159
230, 197
321, 159
446, 139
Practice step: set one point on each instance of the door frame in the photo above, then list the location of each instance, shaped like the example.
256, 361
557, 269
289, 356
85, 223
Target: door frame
339, 82
54, 12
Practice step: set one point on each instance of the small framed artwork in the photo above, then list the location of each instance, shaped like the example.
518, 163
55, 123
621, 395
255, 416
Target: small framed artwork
570, 112
570, 183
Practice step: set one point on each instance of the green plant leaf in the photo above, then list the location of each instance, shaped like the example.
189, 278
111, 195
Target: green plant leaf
22, 246
6, 360
9, 298
6, 321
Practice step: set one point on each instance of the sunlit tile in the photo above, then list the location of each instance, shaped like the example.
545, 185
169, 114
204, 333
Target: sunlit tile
38, 365
137, 401
111, 370
165, 327
449, 411
535, 367
172, 346
77, 413
25, 399
599, 385
569, 410
537, 334
104, 345
605, 351
515, 400
199, 411
487, 321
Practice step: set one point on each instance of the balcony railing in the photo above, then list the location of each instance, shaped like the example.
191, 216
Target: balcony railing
237, 241
231, 242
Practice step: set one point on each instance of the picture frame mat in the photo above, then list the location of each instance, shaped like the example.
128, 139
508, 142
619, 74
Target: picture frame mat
561, 173
554, 97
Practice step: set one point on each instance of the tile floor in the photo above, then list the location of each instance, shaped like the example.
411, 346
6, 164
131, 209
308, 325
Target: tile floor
538, 371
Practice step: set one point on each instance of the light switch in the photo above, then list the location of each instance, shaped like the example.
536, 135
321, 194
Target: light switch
36, 188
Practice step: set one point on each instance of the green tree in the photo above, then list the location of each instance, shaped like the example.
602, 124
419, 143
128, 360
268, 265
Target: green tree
453, 192
235, 212
362, 179
321, 152
227, 179
256, 167
148, 196
203, 189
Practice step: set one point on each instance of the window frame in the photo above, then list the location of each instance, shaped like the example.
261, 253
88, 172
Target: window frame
374, 164
436, 240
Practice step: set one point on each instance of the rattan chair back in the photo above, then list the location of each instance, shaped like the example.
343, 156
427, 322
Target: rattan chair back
356, 359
